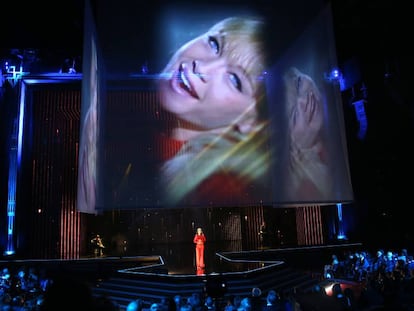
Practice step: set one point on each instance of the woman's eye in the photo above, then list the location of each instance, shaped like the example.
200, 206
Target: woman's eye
235, 80
213, 42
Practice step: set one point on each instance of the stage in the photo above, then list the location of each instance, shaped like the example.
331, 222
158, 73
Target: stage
152, 277
181, 261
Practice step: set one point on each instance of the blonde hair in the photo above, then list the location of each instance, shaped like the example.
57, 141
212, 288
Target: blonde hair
245, 34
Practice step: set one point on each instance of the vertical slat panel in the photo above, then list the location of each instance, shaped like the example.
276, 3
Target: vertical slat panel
55, 227
309, 225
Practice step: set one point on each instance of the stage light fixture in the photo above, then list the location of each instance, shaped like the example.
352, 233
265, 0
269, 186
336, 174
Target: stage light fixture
336, 76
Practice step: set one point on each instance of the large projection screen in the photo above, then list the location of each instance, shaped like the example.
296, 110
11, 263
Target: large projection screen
211, 105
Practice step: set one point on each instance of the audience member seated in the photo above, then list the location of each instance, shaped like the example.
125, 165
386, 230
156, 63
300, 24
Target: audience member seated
273, 302
5, 281
390, 262
229, 304
178, 300
331, 269
339, 297
349, 265
186, 307
245, 305
209, 304
402, 265
256, 298
135, 305
362, 266
377, 264
195, 301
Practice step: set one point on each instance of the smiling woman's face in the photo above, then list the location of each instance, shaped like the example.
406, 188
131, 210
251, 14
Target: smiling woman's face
207, 82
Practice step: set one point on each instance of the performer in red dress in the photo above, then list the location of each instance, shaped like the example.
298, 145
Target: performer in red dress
199, 240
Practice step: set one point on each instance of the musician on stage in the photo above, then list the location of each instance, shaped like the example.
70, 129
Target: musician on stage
97, 245
263, 234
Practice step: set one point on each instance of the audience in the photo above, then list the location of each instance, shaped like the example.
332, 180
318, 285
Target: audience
387, 282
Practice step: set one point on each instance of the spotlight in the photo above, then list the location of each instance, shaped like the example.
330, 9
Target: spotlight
336, 76
144, 69
68, 66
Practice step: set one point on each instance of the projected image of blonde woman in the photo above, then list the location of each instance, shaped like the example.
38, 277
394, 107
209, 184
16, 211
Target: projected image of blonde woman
88, 145
308, 175
213, 87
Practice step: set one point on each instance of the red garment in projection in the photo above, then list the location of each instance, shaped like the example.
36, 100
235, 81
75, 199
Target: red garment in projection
223, 186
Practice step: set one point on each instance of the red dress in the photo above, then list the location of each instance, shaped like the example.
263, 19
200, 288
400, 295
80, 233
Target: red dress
199, 240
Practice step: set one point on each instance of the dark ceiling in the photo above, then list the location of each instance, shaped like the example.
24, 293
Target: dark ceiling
371, 30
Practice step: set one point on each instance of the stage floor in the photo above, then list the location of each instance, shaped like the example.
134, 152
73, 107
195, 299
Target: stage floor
179, 260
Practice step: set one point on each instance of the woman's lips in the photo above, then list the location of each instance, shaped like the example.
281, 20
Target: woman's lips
181, 81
